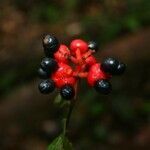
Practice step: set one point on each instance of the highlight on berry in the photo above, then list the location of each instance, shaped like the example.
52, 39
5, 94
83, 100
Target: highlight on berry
56, 69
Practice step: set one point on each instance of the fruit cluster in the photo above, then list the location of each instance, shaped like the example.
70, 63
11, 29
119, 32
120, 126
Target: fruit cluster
63, 67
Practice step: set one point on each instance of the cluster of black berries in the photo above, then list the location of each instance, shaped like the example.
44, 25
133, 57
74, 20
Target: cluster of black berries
48, 64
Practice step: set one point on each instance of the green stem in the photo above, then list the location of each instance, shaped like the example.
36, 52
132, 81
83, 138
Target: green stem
71, 106
64, 126
67, 119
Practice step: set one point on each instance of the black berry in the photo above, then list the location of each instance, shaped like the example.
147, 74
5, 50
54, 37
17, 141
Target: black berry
67, 92
93, 46
50, 44
121, 68
103, 86
49, 65
110, 65
47, 86
43, 74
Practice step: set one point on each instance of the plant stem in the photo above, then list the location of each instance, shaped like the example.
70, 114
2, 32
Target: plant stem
64, 126
71, 106
66, 120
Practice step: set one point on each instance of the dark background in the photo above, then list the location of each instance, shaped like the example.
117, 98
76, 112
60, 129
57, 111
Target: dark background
29, 120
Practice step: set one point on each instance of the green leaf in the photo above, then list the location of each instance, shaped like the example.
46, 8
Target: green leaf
60, 143
56, 144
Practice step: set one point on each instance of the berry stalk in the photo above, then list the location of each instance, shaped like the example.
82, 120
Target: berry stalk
71, 106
